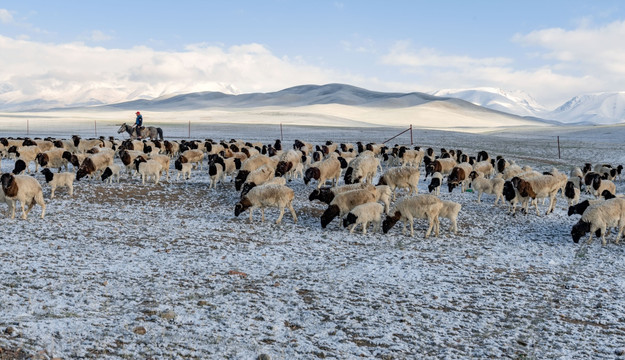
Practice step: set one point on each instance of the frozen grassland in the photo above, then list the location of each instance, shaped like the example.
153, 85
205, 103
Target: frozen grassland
166, 271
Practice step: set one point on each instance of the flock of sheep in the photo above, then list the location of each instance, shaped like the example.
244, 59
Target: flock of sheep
261, 173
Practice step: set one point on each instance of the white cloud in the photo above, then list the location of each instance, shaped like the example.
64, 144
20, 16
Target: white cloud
5, 16
75, 72
99, 36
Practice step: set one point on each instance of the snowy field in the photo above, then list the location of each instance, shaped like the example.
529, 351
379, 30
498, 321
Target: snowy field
126, 271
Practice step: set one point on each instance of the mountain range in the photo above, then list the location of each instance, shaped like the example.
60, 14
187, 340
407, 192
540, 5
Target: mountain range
603, 108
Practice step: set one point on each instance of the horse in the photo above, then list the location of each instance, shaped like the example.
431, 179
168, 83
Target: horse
154, 133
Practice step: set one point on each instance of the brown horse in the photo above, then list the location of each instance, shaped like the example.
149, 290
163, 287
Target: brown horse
154, 133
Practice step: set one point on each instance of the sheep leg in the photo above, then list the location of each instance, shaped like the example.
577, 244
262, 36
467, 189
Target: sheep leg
290, 205
430, 226
52, 192
479, 197
364, 227
12, 206
24, 212
352, 228
262, 214
251, 210
281, 214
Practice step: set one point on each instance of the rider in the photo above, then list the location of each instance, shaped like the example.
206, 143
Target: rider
138, 124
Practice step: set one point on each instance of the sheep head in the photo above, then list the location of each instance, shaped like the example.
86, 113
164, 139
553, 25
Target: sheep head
311, 173
390, 221
20, 165
508, 190
349, 219
331, 212
48, 174
436, 182
324, 195
580, 229
579, 208
42, 159
247, 187
9, 186
240, 179
106, 174
241, 206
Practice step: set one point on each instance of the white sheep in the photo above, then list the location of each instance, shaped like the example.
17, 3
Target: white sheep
148, 168
598, 218
345, 202
270, 195
410, 157
258, 177
450, 210
363, 215
486, 186
26, 190
164, 160
62, 179
111, 173
485, 167
401, 177
420, 207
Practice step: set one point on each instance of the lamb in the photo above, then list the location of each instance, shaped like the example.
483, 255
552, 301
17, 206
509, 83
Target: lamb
364, 214
450, 210
148, 168
459, 176
418, 206
183, 168
59, 180
486, 186
597, 218
599, 185
93, 164
327, 194
216, 171
345, 202
111, 173
435, 183
572, 190
443, 166
53, 159
269, 195
401, 177
26, 190
324, 170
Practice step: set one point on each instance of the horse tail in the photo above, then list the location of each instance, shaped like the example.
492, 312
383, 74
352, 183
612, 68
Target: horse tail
160, 133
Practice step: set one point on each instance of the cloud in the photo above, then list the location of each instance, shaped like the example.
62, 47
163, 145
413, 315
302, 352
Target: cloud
5, 16
75, 72
99, 36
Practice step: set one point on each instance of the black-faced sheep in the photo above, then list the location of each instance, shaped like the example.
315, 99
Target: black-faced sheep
183, 168
288, 162
598, 185
459, 176
345, 202
435, 183
64, 179
269, 195
324, 170
597, 218
419, 207
53, 159
111, 173
363, 168
443, 166
194, 156
327, 194
93, 164
363, 215
258, 177
26, 190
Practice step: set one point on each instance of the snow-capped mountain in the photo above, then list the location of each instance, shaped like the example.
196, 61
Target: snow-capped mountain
512, 102
601, 108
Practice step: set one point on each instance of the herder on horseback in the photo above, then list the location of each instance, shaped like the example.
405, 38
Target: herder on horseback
138, 125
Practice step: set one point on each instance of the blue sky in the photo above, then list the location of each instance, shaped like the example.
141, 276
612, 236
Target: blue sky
119, 50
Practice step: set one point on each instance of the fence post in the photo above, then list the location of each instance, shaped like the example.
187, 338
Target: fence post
281, 137
95, 128
189, 129
558, 147
27, 127
411, 135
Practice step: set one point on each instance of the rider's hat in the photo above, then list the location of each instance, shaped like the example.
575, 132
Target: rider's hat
138, 113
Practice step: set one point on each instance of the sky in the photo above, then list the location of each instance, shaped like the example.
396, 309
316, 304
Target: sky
78, 51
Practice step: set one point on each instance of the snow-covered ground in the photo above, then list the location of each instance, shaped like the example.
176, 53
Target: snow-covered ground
167, 271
